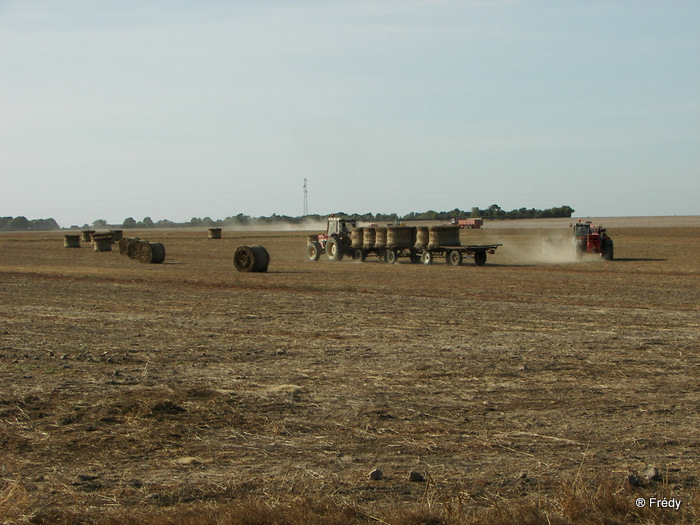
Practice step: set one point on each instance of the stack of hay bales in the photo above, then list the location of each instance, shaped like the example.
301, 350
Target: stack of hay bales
87, 234
215, 233
399, 237
422, 238
251, 259
443, 236
369, 236
357, 238
71, 240
102, 242
380, 238
116, 235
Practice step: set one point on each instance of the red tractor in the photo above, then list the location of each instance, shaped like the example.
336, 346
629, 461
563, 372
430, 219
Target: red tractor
591, 239
335, 242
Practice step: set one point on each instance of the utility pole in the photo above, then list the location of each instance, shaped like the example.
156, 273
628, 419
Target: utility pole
306, 199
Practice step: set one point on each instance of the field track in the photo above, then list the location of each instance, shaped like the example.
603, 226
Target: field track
138, 386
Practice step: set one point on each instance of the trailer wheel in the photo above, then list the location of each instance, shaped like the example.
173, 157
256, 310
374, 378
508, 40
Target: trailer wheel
480, 258
334, 249
454, 257
359, 255
427, 257
415, 258
391, 256
313, 250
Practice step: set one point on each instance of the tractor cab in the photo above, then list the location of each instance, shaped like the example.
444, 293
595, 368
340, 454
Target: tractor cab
582, 229
340, 226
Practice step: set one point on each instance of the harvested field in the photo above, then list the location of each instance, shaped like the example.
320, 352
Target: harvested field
526, 390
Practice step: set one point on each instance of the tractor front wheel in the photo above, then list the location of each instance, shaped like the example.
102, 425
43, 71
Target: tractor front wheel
313, 250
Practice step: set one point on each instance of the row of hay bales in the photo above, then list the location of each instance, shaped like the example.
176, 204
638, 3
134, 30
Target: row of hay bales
404, 237
142, 250
101, 242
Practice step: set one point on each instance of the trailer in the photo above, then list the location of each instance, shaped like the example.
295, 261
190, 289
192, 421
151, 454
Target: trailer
454, 255
470, 224
420, 244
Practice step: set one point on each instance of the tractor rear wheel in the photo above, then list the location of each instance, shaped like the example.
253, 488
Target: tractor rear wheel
480, 258
334, 249
313, 250
607, 251
427, 257
454, 257
391, 256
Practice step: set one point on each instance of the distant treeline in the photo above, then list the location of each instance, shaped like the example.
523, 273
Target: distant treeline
22, 223
492, 212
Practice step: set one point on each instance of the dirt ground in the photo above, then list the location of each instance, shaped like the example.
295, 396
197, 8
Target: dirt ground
132, 385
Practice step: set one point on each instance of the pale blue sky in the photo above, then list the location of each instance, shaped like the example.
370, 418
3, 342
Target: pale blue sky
176, 109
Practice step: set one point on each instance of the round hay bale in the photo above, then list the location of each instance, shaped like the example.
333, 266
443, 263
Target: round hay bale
71, 240
102, 242
369, 236
151, 252
123, 243
215, 233
422, 237
380, 238
357, 238
398, 237
132, 248
87, 234
116, 235
251, 259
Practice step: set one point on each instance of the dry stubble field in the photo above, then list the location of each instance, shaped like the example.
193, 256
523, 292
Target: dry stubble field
525, 390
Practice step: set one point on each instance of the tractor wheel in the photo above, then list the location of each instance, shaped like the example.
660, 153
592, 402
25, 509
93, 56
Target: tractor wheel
391, 256
334, 249
313, 250
454, 257
607, 252
359, 255
480, 258
427, 257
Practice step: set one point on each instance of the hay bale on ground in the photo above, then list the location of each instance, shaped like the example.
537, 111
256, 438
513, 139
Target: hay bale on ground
102, 242
116, 235
251, 259
151, 252
71, 240
132, 247
87, 234
398, 237
445, 235
215, 233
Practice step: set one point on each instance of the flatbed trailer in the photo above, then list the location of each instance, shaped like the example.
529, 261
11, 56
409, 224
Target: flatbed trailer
454, 255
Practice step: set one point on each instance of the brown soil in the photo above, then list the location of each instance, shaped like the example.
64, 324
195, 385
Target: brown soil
136, 386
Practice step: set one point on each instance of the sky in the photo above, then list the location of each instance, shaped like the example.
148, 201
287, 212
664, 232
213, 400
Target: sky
176, 109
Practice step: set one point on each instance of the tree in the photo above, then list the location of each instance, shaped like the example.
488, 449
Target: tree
147, 222
129, 222
99, 223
